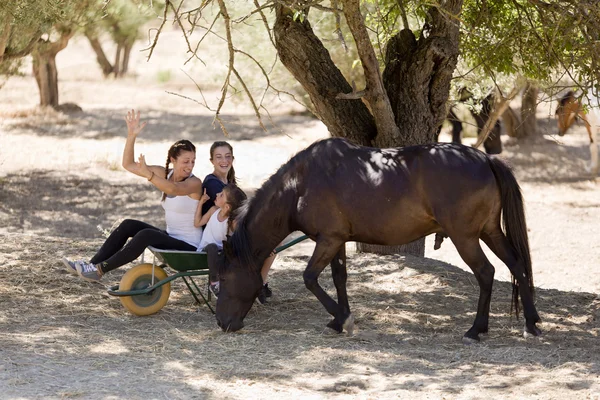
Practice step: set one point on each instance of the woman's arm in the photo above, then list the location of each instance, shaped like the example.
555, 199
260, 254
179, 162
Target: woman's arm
190, 187
133, 129
198, 214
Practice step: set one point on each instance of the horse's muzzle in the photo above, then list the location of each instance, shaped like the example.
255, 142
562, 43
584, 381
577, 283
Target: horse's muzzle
230, 325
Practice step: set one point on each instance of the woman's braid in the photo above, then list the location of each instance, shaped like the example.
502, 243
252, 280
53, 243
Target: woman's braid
164, 195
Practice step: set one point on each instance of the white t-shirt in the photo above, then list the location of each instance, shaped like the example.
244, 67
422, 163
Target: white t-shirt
215, 231
179, 216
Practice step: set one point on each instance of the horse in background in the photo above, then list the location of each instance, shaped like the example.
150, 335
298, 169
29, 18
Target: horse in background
493, 143
570, 108
335, 191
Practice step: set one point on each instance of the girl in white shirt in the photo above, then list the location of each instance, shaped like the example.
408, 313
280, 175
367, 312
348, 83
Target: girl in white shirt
219, 221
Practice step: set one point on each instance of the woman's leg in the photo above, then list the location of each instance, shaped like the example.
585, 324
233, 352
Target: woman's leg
264, 271
136, 246
117, 239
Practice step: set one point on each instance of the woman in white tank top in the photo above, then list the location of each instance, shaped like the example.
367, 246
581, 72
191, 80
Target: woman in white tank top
181, 194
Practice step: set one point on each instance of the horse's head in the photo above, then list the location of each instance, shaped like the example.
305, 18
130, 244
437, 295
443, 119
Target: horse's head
238, 288
566, 111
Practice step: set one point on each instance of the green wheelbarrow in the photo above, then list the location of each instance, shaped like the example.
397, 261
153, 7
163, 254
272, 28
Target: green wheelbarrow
145, 288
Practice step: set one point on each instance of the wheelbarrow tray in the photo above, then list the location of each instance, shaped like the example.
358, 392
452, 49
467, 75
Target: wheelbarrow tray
180, 260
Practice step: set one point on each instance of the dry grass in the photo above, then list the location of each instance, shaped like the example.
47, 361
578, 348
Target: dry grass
410, 314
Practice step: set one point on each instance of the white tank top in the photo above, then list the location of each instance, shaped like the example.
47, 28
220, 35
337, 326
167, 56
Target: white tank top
179, 216
215, 231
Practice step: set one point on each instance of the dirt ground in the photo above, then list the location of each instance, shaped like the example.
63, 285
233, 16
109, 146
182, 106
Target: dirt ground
62, 187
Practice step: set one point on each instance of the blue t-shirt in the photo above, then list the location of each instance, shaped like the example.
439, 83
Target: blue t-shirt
213, 186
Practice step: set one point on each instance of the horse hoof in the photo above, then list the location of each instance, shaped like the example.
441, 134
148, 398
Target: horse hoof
469, 340
349, 325
335, 325
531, 332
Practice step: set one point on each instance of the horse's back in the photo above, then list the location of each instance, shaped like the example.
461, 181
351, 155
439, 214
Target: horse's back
393, 193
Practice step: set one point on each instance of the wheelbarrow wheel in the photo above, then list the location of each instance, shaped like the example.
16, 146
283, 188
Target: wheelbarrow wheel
139, 278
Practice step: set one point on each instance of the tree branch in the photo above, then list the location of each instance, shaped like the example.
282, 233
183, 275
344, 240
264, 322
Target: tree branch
387, 130
158, 32
232, 69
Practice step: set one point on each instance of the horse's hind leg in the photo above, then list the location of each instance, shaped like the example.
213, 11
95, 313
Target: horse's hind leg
472, 254
325, 250
339, 274
499, 244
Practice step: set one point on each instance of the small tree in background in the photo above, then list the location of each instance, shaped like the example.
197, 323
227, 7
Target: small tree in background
40, 29
123, 21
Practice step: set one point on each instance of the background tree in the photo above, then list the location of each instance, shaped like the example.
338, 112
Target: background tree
122, 20
42, 29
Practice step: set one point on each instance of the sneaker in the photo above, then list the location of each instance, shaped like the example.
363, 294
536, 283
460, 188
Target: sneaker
87, 271
71, 266
267, 290
214, 289
262, 296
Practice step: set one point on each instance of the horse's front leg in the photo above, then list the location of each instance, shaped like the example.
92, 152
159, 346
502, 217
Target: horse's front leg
325, 251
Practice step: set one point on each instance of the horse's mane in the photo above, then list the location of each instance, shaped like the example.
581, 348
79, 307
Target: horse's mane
566, 97
284, 178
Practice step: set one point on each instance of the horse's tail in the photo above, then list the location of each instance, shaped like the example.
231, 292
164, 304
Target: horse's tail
513, 222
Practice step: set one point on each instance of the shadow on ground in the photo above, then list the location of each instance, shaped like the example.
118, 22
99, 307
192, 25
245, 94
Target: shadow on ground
102, 124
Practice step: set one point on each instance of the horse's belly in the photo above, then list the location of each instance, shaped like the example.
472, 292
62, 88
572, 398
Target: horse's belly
393, 228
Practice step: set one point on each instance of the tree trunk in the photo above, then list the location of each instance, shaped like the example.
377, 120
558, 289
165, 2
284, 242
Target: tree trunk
44, 68
105, 65
125, 60
418, 72
46, 77
117, 65
528, 125
511, 122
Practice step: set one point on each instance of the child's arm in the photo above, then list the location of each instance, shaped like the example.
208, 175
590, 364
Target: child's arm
198, 217
204, 219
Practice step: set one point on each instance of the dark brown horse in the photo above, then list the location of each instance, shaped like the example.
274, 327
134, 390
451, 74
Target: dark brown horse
335, 191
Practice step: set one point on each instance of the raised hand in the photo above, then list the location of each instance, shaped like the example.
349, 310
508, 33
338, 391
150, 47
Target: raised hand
204, 197
133, 123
